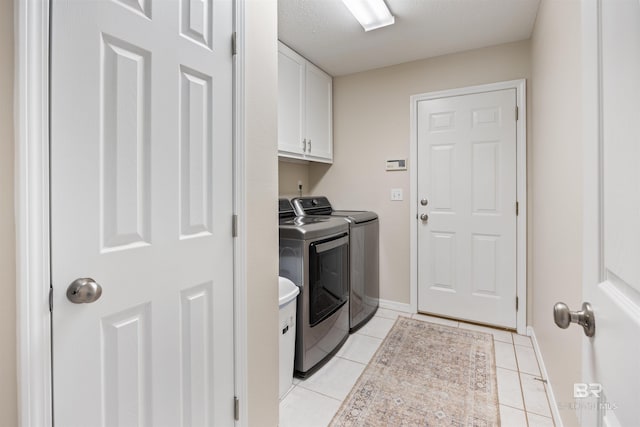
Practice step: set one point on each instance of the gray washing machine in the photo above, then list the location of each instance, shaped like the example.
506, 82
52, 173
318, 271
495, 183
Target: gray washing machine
314, 254
364, 255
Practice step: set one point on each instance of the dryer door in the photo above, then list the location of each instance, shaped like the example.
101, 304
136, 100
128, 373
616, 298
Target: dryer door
328, 277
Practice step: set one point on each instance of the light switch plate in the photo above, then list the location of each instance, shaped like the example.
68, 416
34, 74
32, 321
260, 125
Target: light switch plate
396, 194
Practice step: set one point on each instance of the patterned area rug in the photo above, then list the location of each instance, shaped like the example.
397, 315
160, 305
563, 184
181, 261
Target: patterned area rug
426, 375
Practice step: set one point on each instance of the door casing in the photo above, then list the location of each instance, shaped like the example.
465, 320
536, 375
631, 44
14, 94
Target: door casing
32, 216
592, 212
521, 160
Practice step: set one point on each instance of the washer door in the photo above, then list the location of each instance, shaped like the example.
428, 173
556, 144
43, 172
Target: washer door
328, 277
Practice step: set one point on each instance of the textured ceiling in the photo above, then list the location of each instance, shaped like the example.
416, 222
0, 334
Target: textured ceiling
326, 33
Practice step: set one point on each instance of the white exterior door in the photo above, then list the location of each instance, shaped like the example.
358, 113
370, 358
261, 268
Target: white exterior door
141, 201
467, 207
611, 281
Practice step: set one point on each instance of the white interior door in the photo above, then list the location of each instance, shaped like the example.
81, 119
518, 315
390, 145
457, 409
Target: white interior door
141, 175
467, 207
609, 393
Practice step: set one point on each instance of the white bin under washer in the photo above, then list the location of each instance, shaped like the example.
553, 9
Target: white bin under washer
288, 292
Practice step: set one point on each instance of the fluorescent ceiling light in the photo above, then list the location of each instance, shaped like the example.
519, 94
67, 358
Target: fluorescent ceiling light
371, 14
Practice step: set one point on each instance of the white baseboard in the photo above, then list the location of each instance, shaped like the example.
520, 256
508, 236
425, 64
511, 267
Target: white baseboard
545, 375
397, 306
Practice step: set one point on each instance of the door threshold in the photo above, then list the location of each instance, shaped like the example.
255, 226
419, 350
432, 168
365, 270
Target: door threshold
469, 322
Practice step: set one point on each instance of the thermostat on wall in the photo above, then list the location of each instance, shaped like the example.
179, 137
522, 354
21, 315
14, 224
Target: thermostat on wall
397, 165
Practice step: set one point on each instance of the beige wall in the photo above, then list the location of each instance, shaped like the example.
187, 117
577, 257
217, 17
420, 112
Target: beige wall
557, 189
8, 394
289, 174
262, 192
371, 125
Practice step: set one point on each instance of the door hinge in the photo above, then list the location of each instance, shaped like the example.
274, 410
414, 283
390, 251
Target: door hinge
517, 113
517, 303
234, 226
51, 298
234, 43
236, 408
517, 208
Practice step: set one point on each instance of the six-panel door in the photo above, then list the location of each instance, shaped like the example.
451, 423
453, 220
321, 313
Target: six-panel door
467, 176
141, 173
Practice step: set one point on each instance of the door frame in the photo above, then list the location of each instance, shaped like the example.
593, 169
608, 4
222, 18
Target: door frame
32, 213
592, 137
592, 215
520, 86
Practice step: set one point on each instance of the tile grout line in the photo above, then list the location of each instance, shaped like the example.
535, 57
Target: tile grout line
515, 358
359, 333
512, 407
524, 403
522, 345
520, 373
351, 360
293, 386
322, 394
544, 385
371, 336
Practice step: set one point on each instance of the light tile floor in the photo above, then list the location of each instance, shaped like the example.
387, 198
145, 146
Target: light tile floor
521, 393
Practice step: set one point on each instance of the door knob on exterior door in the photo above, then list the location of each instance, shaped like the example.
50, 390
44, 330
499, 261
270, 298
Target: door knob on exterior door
84, 291
424, 217
563, 317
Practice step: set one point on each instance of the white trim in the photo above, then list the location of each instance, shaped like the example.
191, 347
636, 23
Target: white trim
239, 201
591, 136
592, 226
553, 404
397, 306
521, 177
32, 212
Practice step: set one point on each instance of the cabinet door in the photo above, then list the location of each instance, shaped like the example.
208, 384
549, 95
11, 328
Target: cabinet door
291, 69
318, 115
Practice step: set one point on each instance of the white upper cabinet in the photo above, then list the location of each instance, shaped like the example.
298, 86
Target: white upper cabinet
318, 114
291, 87
305, 129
